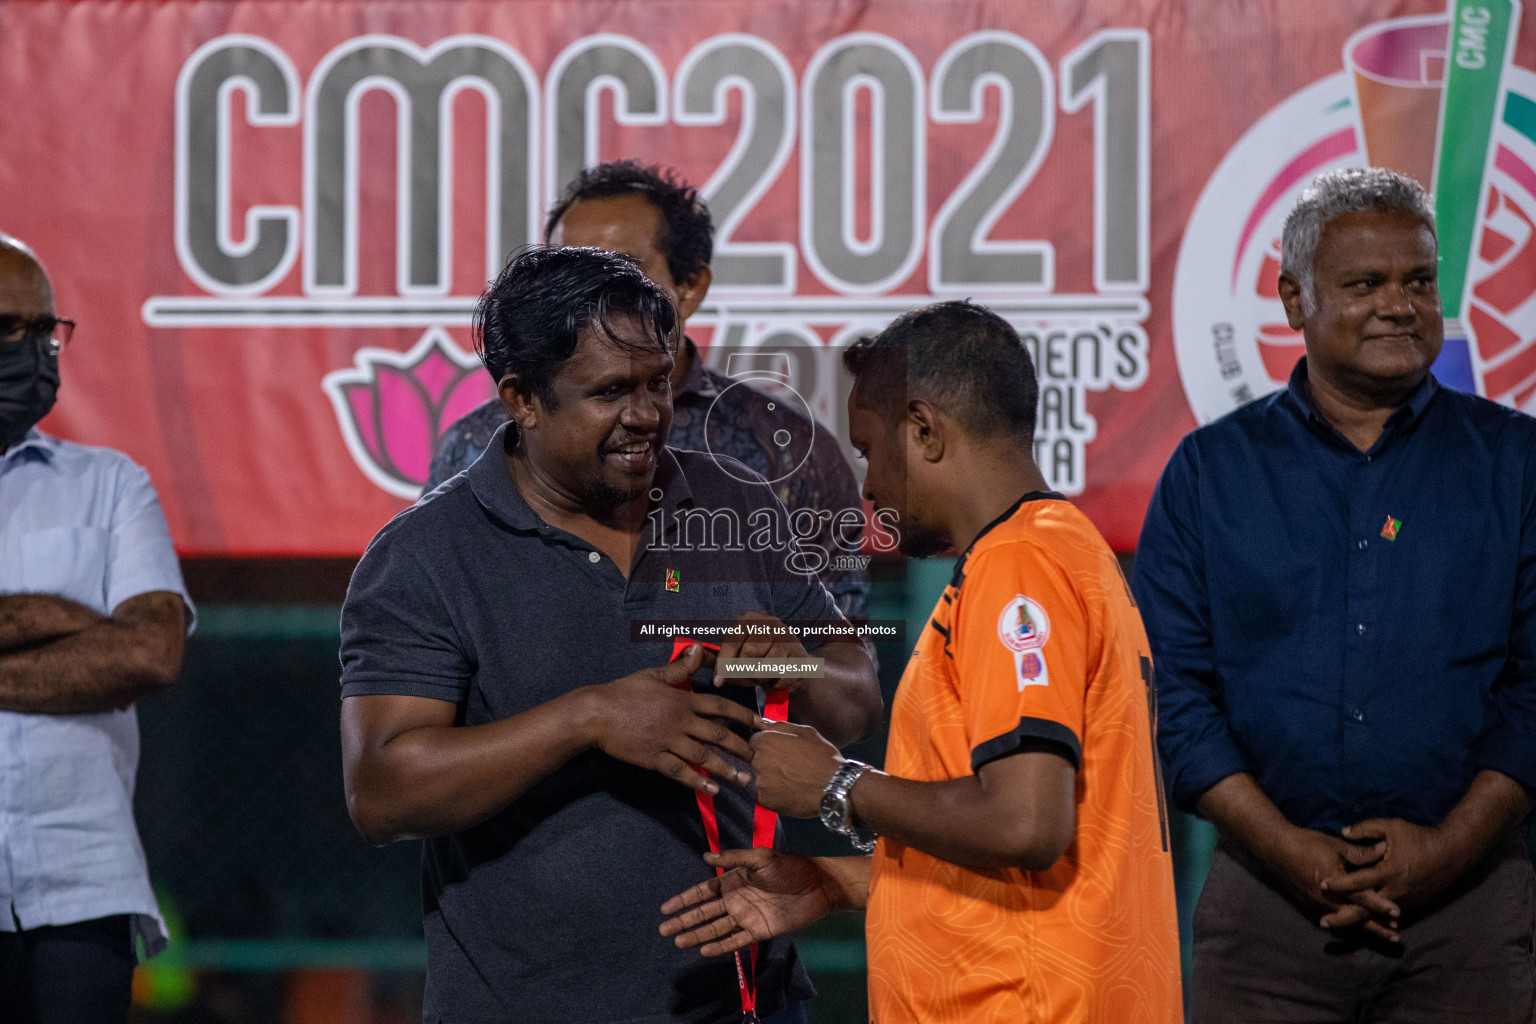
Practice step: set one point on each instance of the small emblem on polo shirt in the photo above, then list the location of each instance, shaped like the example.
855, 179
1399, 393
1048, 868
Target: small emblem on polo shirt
674, 580
1389, 531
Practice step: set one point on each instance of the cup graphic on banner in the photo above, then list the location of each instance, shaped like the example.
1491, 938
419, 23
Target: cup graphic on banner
1436, 97
1428, 92
1398, 67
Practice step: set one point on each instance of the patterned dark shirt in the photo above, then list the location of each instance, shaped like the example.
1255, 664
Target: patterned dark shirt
747, 425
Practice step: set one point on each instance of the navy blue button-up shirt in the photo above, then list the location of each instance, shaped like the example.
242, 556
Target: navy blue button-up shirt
1357, 630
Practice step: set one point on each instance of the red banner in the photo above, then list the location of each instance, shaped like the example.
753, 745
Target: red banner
271, 218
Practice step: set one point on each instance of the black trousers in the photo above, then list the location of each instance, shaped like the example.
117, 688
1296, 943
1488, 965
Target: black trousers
78, 973
1465, 959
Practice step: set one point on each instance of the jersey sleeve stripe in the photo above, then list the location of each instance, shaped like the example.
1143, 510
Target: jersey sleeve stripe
1029, 735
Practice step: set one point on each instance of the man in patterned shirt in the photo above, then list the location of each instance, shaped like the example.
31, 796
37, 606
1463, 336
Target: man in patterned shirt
646, 213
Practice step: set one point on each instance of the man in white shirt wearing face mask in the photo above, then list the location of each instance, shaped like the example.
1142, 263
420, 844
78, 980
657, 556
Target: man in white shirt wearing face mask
93, 614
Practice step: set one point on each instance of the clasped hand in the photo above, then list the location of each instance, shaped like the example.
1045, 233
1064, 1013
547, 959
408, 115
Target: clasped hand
1366, 879
1413, 865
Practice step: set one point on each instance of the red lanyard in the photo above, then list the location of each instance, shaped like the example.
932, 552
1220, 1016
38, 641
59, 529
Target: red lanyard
764, 822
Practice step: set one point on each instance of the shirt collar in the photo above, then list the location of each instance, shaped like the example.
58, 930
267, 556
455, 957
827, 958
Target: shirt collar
35, 445
1422, 395
1418, 399
669, 477
493, 486
959, 573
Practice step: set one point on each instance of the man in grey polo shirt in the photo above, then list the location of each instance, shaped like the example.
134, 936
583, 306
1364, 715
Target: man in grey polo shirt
92, 617
648, 213
500, 703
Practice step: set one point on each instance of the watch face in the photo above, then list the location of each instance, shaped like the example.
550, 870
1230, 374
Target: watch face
833, 812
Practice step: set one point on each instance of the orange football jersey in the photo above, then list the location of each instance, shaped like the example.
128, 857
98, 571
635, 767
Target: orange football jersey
1035, 645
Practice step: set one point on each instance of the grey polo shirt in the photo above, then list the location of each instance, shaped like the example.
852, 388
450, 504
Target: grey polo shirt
549, 910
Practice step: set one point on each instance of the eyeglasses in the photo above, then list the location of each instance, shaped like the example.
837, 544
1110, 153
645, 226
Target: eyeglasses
54, 331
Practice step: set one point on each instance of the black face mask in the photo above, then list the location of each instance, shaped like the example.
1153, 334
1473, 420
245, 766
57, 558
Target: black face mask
29, 383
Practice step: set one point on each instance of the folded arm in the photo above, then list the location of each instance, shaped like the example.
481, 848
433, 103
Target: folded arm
62, 658
27, 620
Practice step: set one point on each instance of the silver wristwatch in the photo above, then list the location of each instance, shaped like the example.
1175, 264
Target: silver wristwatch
837, 810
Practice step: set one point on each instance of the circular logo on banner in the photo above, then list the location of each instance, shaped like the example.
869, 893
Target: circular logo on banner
1023, 626
1230, 332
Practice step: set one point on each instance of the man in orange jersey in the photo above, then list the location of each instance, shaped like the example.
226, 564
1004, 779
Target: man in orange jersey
1022, 869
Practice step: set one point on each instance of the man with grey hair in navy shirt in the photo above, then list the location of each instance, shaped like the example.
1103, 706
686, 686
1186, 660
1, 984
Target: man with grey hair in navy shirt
503, 701
1339, 585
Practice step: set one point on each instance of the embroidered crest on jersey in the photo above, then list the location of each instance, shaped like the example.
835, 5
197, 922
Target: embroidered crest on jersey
1023, 627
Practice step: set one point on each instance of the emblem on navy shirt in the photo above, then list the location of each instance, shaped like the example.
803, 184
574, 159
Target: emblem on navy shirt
674, 580
1389, 530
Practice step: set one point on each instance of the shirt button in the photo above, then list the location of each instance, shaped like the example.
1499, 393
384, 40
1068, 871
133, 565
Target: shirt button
594, 558
1356, 715
1363, 544
1360, 629
1356, 808
1367, 460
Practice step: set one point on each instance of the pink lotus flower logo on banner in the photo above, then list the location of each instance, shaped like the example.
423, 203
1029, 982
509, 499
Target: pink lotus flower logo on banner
393, 407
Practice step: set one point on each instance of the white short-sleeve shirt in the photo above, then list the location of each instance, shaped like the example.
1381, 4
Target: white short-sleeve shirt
84, 524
